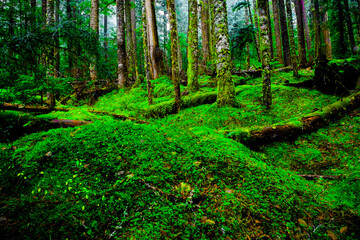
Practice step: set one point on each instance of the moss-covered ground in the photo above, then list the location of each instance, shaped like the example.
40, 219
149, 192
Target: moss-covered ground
179, 177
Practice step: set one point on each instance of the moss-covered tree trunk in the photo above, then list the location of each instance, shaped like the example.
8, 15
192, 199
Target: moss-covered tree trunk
284, 34
325, 32
294, 58
94, 24
50, 18
174, 52
247, 22
193, 58
257, 38
57, 40
263, 9
133, 38
270, 31
279, 57
122, 78
349, 24
226, 87
130, 51
205, 33
155, 53
300, 31
146, 55
307, 34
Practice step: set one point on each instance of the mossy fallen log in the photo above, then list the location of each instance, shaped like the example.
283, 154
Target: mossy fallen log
119, 116
257, 72
313, 177
29, 108
309, 123
62, 123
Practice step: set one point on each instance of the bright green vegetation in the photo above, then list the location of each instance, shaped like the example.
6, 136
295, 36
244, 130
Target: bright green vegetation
180, 177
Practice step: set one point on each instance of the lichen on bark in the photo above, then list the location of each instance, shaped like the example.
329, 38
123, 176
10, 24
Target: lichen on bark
226, 87
193, 59
265, 51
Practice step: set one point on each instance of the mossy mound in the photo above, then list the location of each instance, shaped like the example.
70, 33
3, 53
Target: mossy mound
124, 180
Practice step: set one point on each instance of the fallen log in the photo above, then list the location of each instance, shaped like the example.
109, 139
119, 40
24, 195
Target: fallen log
63, 123
119, 116
257, 72
258, 135
29, 108
312, 177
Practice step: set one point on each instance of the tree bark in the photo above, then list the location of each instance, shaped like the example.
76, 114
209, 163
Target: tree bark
299, 4
325, 32
193, 58
277, 31
174, 52
284, 33
146, 55
349, 24
263, 8
205, 32
247, 44
153, 40
130, 51
106, 44
271, 41
122, 77
133, 38
226, 87
257, 37
50, 54
69, 41
307, 34
294, 58
57, 41
94, 24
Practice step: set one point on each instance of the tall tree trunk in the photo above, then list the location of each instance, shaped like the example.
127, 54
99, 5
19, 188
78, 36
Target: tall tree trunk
69, 41
277, 31
307, 33
265, 51
349, 24
133, 38
358, 17
146, 55
319, 49
193, 58
226, 87
57, 41
106, 44
174, 52
247, 44
94, 24
294, 58
270, 31
300, 31
257, 37
205, 33
153, 40
129, 43
122, 77
50, 54
257, 44
325, 32
284, 34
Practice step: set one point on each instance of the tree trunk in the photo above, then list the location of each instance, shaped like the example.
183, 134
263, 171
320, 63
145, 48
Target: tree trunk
257, 37
133, 38
294, 58
300, 31
277, 31
205, 33
69, 41
106, 44
284, 33
263, 8
50, 53
226, 87
129, 43
153, 40
340, 28
146, 55
271, 41
122, 77
247, 44
174, 52
325, 32
349, 24
193, 58
57, 41
307, 34
94, 24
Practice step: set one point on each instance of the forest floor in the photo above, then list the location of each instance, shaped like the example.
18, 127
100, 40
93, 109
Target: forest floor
180, 176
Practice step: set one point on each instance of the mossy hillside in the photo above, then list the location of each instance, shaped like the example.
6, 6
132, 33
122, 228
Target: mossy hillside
145, 183
289, 102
